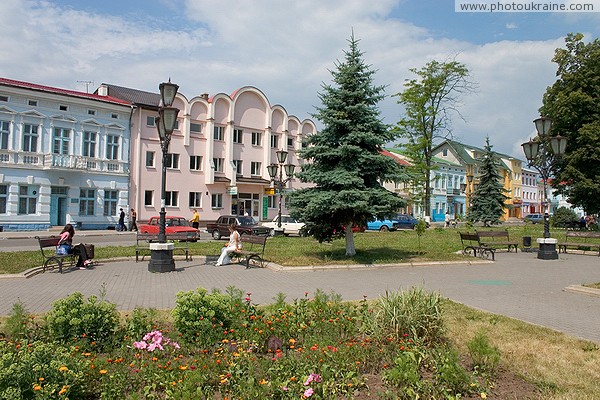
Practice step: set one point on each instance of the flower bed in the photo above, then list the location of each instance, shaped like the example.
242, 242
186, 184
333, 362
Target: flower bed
221, 345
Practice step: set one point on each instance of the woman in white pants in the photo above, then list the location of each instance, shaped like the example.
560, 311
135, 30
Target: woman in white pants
233, 245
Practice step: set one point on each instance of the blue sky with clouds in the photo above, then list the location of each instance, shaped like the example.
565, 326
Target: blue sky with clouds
286, 49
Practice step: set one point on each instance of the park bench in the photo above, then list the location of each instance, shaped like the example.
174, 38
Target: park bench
497, 239
581, 240
254, 251
52, 260
180, 239
471, 243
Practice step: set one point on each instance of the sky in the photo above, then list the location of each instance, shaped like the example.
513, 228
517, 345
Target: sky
287, 49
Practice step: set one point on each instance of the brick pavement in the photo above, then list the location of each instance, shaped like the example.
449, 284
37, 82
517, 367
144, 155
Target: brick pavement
516, 285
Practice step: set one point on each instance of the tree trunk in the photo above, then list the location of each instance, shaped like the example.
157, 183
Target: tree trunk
350, 249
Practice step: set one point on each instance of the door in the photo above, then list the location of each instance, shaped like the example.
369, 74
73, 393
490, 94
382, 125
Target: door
58, 206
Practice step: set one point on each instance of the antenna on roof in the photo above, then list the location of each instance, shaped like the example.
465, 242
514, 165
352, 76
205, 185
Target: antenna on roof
87, 85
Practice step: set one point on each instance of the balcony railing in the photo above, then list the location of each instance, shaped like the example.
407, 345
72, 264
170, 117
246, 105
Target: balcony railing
58, 161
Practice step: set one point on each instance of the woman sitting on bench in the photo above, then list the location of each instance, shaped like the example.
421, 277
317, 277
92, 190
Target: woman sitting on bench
234, 244
65, 244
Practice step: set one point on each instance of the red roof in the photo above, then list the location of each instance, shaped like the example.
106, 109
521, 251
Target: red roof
73, 93
396, 157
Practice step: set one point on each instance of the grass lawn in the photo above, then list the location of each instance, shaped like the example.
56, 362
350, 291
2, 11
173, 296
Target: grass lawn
436, 244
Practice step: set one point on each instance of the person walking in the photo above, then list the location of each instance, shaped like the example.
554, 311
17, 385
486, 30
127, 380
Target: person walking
447, 219
234, 244
121, 223
195, 219
132, 220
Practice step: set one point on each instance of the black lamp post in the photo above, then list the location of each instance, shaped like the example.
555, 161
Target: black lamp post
541, 153
279, 182
161, 259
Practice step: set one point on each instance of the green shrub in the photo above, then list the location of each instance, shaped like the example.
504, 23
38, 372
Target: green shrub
142, 321
20, 324
41, 370
203, 317
404, 374
415, 312
485, 356
92, 320
564, 218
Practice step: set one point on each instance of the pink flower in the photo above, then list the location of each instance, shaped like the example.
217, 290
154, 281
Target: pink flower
308, 392
140, 345
312, 378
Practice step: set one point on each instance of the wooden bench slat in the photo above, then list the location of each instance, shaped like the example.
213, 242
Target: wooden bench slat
497, 239
143, 240
250, 254
580, 239
49, 244
472, 242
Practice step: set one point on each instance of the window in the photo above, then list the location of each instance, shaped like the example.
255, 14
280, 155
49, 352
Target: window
216, 200
3, 98
110, 202
149, 159
87, 198
171, 199
256, 139
150, 121
196, 128
4, 131
148, 198
255, 168
218, 164
89, 144
238, 167
274, 141
62, 107
114, 116
219, 132
27, 199
195, 163
91, 112
272, 201
237, 136
112, 147
195, 199
3, 198
61, 140
172, 161
32, 103
30, 137
290, 142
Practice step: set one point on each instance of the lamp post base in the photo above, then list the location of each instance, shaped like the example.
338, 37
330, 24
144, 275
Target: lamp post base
547, 250
161, 257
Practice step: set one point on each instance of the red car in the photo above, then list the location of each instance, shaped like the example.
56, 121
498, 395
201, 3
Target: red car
172, 225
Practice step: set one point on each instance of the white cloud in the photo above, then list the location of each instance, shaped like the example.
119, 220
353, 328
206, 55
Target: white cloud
283, 48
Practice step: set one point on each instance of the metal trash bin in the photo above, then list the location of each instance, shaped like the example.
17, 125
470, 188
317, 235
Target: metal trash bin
526, 243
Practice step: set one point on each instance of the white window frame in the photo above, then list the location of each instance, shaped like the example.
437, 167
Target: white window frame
216, 201
257, 139
219, 133
172, 199
195, 163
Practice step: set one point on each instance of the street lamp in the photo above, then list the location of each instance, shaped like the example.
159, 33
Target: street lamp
541, 154
279, 182
161, 259
469, 191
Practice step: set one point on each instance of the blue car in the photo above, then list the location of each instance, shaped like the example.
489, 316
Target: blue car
382, 225
406, 221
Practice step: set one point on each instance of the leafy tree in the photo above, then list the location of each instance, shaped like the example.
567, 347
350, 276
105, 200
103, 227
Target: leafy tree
488, 198
564, 218
345, 163
572, 102
429, 100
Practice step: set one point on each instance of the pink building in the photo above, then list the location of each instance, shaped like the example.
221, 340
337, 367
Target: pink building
218, 153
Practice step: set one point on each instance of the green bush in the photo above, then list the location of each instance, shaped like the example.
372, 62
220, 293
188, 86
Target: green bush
41, 370
203, 317
141, 321
564, 218
415, 312
452, 378
93, 321
20, 324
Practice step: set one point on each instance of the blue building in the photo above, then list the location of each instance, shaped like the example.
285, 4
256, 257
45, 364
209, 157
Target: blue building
64, 157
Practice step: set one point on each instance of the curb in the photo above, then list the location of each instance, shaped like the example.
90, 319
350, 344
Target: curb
582, 290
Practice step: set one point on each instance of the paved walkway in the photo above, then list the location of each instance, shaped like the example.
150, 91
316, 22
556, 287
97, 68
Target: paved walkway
516, 285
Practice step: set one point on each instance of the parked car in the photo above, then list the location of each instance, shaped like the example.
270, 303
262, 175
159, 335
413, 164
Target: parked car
290, 225
246, 225
406, 221
383, 225
172, 225
534, 218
